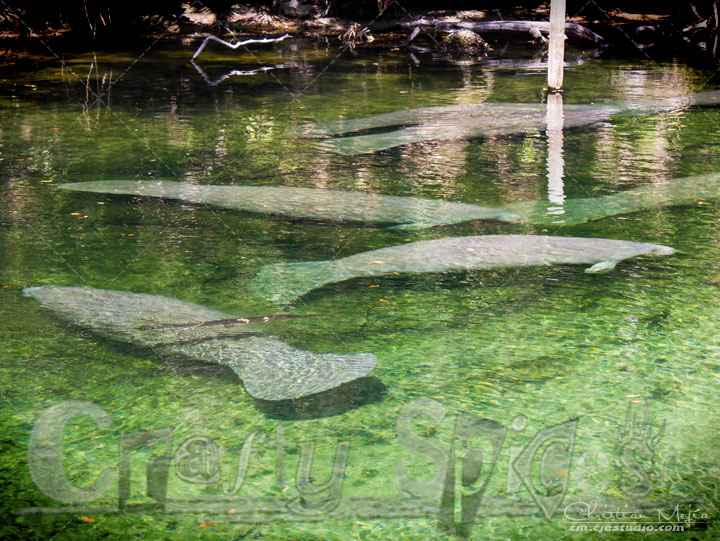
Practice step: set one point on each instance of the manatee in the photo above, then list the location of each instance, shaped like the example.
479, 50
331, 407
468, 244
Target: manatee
285, 282
407, 212
269, 368
468, 121
710, 98
676, 192
411, 212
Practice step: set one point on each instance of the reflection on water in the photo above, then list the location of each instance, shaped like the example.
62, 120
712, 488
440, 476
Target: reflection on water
555, 163
546, 357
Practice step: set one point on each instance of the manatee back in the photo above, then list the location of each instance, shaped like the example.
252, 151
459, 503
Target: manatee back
126, 316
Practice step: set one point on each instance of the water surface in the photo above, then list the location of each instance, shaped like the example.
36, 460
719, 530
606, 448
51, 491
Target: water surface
528, 349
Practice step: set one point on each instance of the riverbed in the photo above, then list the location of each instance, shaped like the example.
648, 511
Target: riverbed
506, 403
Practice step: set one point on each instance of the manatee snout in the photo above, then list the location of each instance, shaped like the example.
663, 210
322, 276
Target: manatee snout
663, 250
36, 292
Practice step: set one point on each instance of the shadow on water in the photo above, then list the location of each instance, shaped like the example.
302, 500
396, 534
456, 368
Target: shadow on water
337, 401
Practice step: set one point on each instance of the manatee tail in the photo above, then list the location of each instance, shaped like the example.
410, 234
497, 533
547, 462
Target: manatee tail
285, 282
708, 98
272, 370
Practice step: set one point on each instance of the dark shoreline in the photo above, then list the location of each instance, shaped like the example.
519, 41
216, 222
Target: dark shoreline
626, 34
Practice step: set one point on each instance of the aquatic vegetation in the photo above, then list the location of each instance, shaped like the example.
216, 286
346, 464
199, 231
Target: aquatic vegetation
527, 349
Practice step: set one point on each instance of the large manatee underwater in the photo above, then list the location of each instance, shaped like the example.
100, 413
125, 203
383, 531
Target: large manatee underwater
269, 368
410, 212
468, 121
285, 282
405, 212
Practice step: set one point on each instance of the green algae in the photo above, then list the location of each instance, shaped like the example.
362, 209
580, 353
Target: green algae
545, 344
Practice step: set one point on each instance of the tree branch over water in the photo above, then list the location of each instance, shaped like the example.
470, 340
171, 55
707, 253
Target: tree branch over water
236, 45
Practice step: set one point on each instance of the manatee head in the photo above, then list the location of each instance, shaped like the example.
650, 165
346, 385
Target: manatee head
47, 295
659, 249
31, 291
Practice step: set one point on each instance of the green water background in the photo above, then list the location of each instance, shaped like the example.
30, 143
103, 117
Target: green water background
549, 344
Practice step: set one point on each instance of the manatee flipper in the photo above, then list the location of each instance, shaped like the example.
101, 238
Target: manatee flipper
601, 267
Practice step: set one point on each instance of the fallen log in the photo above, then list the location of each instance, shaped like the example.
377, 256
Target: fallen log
572, 30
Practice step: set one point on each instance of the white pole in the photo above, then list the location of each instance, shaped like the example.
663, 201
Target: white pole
557, 44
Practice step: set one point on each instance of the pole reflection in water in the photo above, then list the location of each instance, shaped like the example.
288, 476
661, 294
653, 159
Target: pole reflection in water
555, 162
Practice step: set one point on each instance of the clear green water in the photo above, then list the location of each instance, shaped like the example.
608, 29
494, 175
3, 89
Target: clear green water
549, 344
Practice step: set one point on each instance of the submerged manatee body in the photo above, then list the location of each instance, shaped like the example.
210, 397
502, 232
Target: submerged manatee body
285, 282
411, 212
269, 368
406, 212
465, 121
472, 120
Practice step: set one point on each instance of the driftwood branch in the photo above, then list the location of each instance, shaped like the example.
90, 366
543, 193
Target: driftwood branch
412, 35
225, 322
238, 44
538, 62
573, 30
